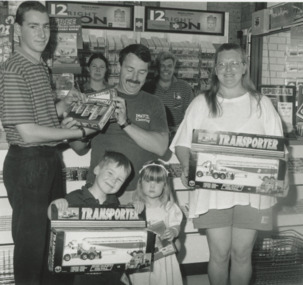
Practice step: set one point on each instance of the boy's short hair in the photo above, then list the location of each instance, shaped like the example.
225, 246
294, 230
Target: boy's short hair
118, 158
28, 6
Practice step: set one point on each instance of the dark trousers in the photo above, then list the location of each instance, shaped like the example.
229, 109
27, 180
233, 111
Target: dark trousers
33, 178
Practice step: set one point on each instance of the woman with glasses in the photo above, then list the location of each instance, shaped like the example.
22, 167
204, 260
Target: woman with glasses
231, 219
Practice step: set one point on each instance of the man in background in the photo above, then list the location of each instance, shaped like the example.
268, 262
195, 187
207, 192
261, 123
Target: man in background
176, 94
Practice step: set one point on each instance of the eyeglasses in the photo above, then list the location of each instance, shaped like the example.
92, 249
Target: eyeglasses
234, 65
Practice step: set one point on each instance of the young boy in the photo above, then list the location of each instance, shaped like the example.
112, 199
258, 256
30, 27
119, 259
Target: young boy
111, 173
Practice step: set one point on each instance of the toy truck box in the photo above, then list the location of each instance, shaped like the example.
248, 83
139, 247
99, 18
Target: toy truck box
97, 110
237, 162
87, 240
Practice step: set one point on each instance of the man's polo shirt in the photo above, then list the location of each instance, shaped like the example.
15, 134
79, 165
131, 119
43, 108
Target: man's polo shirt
26, 96
175, 99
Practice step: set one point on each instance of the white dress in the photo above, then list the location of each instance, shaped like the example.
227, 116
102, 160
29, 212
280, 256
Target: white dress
240, 115
165, 271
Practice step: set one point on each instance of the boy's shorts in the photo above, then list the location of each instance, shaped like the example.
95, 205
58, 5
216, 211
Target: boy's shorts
243, 217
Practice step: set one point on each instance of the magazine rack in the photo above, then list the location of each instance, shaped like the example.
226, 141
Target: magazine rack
278, 258
237, 162
91, 240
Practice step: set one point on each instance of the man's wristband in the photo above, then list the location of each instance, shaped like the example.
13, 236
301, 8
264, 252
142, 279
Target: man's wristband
127, 123
83, 132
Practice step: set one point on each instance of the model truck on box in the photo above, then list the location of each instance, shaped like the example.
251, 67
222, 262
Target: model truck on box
224, 169
96, 247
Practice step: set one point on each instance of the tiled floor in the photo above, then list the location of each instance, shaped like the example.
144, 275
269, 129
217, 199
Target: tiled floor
196, 280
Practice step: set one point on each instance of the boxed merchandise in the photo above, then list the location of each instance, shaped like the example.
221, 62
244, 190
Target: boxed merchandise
96, 239
237, 162
97, 110
163, 247
67, 33
63, 82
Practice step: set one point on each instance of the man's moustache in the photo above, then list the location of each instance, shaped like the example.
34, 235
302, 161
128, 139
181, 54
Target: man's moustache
132, 81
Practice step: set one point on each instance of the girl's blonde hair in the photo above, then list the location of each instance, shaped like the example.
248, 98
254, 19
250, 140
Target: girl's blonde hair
154, 171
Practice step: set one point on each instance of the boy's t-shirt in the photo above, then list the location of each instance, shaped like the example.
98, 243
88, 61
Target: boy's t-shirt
82, 197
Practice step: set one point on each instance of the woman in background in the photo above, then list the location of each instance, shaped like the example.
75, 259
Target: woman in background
98, 68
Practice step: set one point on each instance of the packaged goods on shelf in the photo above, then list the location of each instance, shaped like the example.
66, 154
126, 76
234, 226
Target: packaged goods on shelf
151, 45
63, 83
127, 41
93, 44
187, 73
118, 43
101, 42
113, 80
165, 44
7, 268
6, 34
111, 44
157, 44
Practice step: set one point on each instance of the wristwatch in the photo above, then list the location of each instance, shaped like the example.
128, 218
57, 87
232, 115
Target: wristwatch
127, 123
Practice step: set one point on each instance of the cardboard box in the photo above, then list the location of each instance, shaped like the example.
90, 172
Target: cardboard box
260, 22
96, 111
237, 162
96, 239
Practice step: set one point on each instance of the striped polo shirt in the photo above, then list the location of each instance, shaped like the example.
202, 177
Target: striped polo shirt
26, 96
175, 99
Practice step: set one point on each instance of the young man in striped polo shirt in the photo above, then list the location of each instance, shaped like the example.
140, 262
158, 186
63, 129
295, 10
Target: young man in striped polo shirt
176, 94
32, 170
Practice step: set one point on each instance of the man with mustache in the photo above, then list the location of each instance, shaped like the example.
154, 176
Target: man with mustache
141, 131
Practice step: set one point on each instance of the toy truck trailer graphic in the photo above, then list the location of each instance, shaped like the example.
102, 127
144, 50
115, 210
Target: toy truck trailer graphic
95, 247
225, 169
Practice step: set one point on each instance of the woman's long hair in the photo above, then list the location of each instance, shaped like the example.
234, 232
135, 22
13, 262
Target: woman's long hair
211, 94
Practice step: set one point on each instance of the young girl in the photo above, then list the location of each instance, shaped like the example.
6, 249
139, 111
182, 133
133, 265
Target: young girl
154, 191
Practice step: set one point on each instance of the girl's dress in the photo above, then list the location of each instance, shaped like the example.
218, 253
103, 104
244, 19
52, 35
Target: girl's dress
165, 271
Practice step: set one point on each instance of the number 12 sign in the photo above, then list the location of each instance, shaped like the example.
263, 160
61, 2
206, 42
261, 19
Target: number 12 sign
184, 21
95, 15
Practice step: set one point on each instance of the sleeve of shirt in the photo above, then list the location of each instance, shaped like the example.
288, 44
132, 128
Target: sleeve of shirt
192, 118
17, 107
175, 215
158, 119
271, 118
